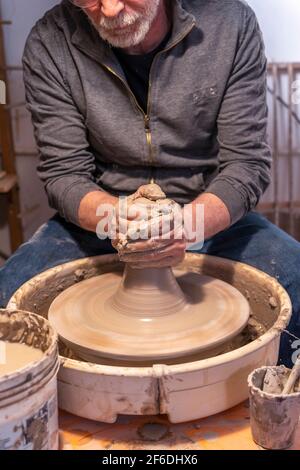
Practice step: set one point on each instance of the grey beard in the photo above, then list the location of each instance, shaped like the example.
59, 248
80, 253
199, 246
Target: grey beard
140, 23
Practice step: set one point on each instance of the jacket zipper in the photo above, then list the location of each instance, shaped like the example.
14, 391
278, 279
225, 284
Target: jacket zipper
146, 116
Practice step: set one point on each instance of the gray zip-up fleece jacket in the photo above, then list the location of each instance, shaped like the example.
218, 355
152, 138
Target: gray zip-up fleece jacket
205, 128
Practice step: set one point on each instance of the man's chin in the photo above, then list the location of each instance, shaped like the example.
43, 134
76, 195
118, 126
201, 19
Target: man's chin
122, 38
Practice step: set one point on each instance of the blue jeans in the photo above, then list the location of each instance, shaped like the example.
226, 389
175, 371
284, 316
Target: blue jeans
253, 240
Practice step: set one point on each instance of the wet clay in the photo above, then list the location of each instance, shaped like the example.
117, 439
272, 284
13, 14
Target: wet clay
250, 333
157, 209
156, 316
183, 391
273, 416
152, 192
15, 356
276, 379
148, 314
28, 384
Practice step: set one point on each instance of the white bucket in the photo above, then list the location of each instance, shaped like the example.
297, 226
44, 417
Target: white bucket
28, 396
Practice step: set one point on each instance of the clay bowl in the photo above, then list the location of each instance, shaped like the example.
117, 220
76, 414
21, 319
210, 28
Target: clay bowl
192, 388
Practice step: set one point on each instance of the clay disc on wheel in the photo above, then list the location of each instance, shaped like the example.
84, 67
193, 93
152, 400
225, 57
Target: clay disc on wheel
88, 321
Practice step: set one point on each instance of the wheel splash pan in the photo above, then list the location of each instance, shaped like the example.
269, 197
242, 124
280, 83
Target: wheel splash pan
192, 388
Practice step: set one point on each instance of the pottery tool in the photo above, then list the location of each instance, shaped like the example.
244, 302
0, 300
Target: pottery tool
293, 377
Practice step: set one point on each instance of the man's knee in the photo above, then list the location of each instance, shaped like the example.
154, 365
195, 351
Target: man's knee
17, 270
33, 257
8, 284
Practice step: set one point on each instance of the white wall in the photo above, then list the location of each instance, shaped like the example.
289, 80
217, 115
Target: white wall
23, 13
279, 19
34, 206
280, 23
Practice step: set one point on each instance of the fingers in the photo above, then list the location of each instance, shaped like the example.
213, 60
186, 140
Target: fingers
168, 262
149, 229
144, 224
135, 241
127, 245
142, 210
174, 249
145, 246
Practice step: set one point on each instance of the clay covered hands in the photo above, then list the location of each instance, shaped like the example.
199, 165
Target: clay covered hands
149, 230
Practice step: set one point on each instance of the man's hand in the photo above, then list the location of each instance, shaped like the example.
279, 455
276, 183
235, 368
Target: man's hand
216, 217
89, 206
149, 231
158, 238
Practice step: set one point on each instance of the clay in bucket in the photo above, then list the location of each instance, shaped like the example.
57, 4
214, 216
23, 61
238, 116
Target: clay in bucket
274, 417
14, 356
28, 382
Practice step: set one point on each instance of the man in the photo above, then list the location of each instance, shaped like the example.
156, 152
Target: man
123, 93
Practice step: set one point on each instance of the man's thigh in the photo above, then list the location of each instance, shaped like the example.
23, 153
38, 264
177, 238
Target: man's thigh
56, 242
257, 242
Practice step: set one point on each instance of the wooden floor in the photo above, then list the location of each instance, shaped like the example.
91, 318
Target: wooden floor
226, 431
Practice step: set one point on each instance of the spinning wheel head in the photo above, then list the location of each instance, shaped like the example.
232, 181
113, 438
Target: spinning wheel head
147, 315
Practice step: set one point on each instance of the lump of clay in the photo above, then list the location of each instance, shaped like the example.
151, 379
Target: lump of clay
156, 209
150, 314
151, 192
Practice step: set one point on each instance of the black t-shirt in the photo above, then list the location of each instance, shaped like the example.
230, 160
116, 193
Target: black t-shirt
137, 70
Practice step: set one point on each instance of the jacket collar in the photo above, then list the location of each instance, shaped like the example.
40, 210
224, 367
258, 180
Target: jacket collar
86, 38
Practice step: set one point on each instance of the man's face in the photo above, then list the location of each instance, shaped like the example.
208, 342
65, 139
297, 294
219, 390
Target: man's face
121, 23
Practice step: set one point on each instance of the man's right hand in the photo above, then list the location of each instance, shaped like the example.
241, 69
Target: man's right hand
89, 205
148, 233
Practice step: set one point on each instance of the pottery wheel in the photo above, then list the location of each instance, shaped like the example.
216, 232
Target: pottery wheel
147, 315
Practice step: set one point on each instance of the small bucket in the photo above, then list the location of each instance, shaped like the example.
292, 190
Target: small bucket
28, 395
274, 417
